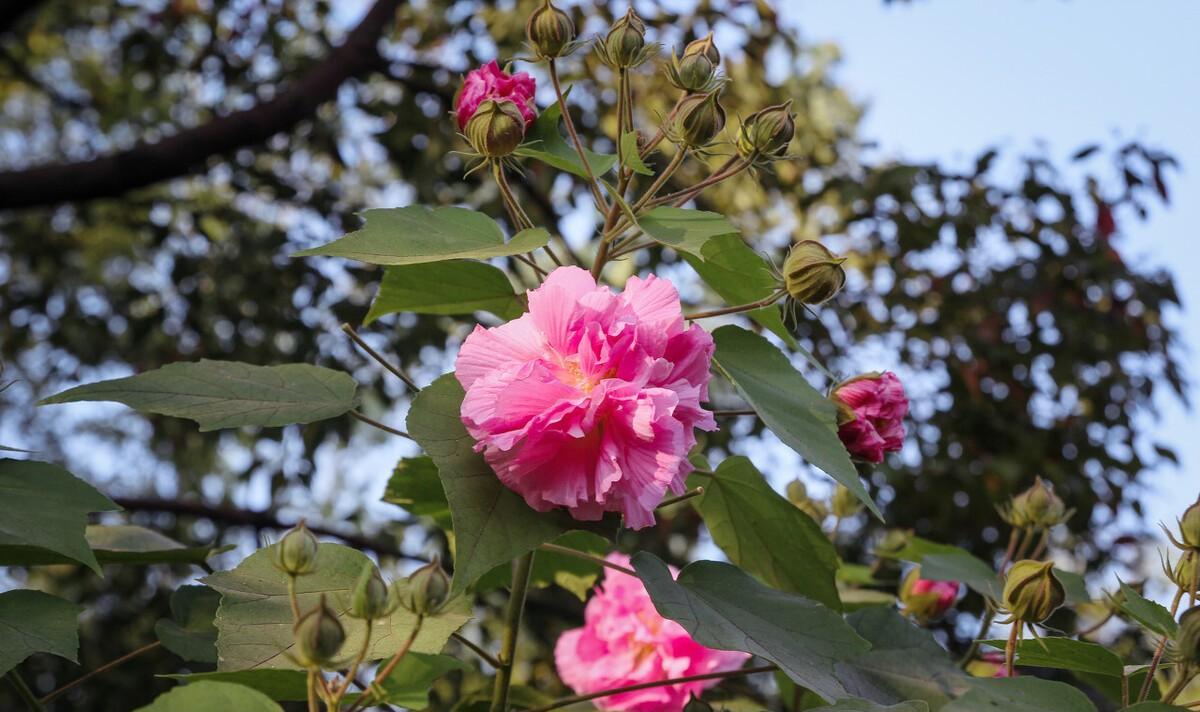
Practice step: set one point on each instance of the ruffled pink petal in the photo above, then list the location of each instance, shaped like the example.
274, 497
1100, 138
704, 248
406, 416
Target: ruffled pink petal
485, 350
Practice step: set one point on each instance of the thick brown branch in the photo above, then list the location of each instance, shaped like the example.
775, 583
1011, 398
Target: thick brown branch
187, 150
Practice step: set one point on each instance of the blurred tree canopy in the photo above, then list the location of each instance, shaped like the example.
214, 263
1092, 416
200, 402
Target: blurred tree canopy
162, 158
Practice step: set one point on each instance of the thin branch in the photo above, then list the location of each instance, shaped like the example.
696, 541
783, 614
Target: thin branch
734, 413
100, 671
593, 184
387, 669
681, 498
1158, 652
376, 424
737, 309
521, 568
567, 701
23, 691
568, 551
396, 370
483, 654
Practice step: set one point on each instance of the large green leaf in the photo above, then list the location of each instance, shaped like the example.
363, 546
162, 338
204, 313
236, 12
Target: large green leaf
904, 662
767, 535
544, 143
418, 234
684, 229
415, 485
35, 622
227, 394
452, 287
572, 573
492, 524
209, 695
723, 607
1021, 694
254, 619
44, 506
942, 562
1149, 614
112, 544
859, 705
796, 412
190, 632
1066, 654
279, 685
1155, 707
739, 275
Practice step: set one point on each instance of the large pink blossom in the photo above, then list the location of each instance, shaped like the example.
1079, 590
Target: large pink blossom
590, 400
874, 407
624, 641
491, 82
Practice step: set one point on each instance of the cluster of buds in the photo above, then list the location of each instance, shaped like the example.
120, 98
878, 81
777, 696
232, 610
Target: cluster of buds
926, 600
319, 636
812, 273
1037, 508
624, 47
1189, 530
428, 589
1032, 591
296, 552
696, 71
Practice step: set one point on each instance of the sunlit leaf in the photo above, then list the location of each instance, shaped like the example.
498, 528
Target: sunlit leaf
1066, 654
1152, 615
544, 143
739, 275
684, 229
208, 695
572, 573
630, 155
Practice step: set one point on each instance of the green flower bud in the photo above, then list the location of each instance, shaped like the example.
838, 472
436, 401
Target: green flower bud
550, 31
1037, 508
1182, 573
812, 274
296, 552
699, 119
797, 494
892, 542
844, 503
319, 636
767, 132
1032, 591
370, 600
626, 41
1187, 638
696, 70
496, 128
1189, 526
428, 588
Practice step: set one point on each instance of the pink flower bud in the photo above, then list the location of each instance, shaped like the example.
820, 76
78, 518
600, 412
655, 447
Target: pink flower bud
925, 599
491, 82
873, 407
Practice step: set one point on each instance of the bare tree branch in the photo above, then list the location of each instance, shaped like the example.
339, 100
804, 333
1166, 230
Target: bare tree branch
187, 150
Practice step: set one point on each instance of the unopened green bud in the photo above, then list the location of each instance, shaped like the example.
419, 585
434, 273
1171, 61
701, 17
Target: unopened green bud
1183, 573
893, 542
812, 274
496, 128
1032, 591
428, 588
797, 494
319, 636
699, 119
370, 600
626, 41
1037, 507
1189, 526
296, 552
767, 132
697, 68
844, 503
550, 30
1187, 638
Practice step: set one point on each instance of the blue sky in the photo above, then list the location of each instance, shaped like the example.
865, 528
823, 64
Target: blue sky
944, 79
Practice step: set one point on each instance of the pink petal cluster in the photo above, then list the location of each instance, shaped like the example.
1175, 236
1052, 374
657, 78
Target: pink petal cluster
878, 405
624, 641
491, 82
943, 593
590, 400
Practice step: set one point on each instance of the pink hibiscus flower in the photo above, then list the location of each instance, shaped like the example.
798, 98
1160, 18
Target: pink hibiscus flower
491, 82
590, 400
624, 641
873, 408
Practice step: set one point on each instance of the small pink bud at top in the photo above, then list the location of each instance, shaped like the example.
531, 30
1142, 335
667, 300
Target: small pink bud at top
491, 82
873, 410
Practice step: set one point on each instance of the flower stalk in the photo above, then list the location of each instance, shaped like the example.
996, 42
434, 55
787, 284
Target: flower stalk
522, 566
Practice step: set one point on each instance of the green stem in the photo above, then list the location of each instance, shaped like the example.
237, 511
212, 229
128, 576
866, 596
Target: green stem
100, 670
512, 622
660, 180
727, 170
376, 424
386, 670
23, 691
681, 498
1010, 650
567, 551
1181, 682
567, 701
984, 624
593, 184
660, 135
395, 370
293, 599
339, 691
737, 309
1158, 652
483, 654
312, 690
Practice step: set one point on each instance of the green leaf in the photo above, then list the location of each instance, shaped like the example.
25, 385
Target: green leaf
904, 662
415, 485
722, 607
35, 622
767, 535
44, 506
207, 696
190, 632
227, 394
800, 416
684, 229
418, 234
1021, 694
1146, 612
942, 562
1066, 654
113, 544
572, 573
1075, 586
254, 619
452, 287
492, 524
279, 685
739, 275
544, 143
1154, 707
630, 156
409, 684
860, 705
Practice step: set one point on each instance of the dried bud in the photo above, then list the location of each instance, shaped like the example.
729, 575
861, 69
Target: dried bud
550, 31
296, 552
812, 274
428, 588
319, 636
696, 70
496, 129
797, 494
1032, 591
925, 600
1189, 526
767, 132
1187, 639
844, 503
625, 44
699, 119
1036, 508
370, 600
